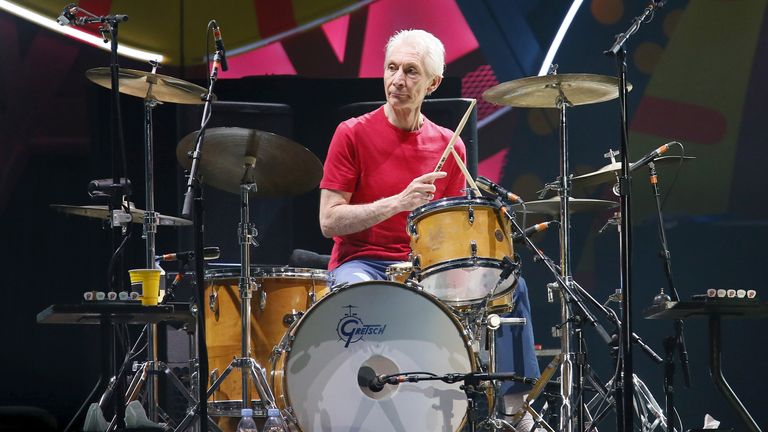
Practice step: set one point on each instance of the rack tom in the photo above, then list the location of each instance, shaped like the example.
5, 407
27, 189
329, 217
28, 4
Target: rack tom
458, 247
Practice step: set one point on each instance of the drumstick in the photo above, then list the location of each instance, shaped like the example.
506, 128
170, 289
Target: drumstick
464, 171
456, 133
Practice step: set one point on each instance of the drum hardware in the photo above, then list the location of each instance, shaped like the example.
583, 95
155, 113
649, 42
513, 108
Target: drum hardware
121, 216
245, 362
111, 78
562, 91
292, 317
493, 322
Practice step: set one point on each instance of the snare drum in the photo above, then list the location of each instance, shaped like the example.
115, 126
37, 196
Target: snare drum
458, 246
328, 359
283, 294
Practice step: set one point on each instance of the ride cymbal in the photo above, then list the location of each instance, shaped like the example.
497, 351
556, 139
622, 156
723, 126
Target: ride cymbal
102, 212
145, 85
551, 206
278, 166
546, 91
608, 173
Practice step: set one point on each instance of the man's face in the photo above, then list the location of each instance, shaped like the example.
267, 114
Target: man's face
406, 81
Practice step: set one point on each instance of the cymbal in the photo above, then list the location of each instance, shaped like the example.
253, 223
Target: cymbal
551, 206
608, 173
102, 212
545, 91
280, 167
137, 83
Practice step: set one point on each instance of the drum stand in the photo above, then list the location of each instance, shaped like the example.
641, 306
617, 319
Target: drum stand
246, 363
146, 371
493, 322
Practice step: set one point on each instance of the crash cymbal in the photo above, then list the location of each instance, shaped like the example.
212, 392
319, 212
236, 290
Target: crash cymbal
102, 212
551, 206
608, 173
280, 167
544, 91
137, 83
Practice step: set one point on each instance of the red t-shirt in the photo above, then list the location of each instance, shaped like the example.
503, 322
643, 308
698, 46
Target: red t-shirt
373, 159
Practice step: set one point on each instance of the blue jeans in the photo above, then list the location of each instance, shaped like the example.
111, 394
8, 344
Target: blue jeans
515, 351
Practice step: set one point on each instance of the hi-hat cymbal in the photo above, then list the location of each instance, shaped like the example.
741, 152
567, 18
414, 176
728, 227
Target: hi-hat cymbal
280, 167
546, 91
608, 173
137, 83
551, 206
102, 212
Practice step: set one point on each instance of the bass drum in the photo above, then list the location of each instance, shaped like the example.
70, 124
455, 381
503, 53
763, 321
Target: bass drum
328, 359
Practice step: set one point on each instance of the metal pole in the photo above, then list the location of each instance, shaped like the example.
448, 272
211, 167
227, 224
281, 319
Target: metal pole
150, 228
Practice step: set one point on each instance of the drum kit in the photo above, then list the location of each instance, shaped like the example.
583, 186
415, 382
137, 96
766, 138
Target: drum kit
296, 339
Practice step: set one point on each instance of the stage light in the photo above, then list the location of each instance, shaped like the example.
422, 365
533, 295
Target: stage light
559, 36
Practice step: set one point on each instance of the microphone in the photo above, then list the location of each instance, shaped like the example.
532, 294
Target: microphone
508, 267
650, 156
377, 383
220, 45
67, 16
517, 237
209, 253
495, 189
367, 378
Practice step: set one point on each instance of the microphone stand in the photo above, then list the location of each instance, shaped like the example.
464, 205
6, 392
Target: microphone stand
119, 220
193, 207
625, 370
676, 342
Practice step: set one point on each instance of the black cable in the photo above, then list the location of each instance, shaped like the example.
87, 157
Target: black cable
85, 403
115, 255
677, 173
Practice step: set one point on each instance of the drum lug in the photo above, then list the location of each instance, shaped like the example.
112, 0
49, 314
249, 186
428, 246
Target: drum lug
262, 299
213, 301
290, 416
471, 214
290, 318
473, 249
416, 261
411, 229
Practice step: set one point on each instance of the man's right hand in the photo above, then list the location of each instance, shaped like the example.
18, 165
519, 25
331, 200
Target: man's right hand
419, 191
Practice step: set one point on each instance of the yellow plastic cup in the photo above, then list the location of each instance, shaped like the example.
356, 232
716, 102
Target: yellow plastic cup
149, 279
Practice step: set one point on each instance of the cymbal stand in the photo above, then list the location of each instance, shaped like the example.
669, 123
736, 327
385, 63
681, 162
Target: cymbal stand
150, 228
246, 363
570, 332
571, 300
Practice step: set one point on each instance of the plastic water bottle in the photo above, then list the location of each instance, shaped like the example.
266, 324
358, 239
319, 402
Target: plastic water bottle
246, 422
274, 422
